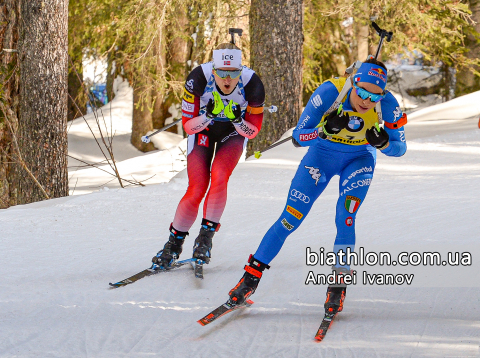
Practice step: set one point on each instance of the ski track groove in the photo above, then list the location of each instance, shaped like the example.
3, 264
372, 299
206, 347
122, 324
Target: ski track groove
426, 324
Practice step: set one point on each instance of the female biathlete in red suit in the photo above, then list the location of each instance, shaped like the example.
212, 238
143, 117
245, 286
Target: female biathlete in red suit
222, 108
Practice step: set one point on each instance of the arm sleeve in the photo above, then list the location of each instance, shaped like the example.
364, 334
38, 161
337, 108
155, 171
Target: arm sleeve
194, 87
306, 133
391, 113
255, 96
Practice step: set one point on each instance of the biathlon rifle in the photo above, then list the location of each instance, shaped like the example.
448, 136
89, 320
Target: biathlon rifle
383, 34
232, 31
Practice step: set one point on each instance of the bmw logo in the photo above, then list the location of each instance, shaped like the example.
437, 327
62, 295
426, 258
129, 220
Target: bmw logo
356, 124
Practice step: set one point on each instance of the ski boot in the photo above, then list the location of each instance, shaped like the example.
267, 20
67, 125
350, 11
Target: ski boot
249, 282
203, 243
171, 251
336, 293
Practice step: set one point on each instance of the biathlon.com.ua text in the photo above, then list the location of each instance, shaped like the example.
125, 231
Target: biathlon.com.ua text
360, 258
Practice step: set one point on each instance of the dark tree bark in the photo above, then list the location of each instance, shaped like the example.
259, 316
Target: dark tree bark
176, 59
41, 168
146, 101
9, 82
76, 103
276, 56
142, 121
467, 82
362, 24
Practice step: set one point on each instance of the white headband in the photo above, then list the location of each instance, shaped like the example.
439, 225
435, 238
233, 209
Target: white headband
227, 58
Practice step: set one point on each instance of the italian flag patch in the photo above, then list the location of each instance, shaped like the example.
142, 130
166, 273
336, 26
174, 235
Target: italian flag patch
352, 203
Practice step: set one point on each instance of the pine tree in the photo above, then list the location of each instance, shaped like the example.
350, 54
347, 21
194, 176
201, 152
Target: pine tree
41, 169
276, 56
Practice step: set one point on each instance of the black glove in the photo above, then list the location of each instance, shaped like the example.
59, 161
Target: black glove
335, 122
295, 143
376, 138
215, 106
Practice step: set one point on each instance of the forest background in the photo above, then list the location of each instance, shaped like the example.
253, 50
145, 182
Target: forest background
293, 45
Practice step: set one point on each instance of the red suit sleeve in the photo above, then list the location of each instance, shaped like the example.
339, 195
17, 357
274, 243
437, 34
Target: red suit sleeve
252, 123
255, 96
194, 87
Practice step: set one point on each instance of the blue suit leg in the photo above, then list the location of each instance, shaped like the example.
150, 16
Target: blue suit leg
311, 178
355, 181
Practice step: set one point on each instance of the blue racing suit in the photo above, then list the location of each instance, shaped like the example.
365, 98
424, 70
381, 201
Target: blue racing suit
346, 154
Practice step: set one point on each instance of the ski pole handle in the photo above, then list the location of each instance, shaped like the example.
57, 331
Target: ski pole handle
146, 138
271, 109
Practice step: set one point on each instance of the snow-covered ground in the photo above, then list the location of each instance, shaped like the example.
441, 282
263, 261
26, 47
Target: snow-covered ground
115, 119
57, 257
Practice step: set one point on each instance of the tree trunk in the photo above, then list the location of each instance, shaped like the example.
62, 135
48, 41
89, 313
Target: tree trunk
177, 71
142, 120
9, 82
41, 168
467, 82
276, 56
76, 105
361, 24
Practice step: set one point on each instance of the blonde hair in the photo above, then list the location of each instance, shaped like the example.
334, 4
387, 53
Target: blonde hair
227, 45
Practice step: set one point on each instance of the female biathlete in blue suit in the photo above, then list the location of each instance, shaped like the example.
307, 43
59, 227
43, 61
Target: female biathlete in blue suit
340, 124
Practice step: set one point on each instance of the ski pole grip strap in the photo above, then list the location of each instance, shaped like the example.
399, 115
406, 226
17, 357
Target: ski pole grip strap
398, 124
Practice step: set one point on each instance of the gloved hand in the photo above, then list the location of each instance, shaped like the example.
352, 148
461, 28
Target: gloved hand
335, 122
234, 114
213, 108
377, 137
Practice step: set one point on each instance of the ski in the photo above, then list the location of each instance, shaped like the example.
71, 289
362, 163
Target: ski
218, 312
149, 272
324, 326
198, 268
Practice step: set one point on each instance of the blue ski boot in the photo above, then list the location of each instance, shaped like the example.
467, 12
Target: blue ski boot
171, 251
203, 243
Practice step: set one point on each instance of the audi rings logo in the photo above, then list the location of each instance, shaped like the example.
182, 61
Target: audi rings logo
296, 194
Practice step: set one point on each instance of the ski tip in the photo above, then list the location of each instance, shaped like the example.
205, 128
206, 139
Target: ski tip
320, 335
201, 322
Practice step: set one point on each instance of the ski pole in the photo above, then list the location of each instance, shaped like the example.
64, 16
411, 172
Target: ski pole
146, 138
258, 153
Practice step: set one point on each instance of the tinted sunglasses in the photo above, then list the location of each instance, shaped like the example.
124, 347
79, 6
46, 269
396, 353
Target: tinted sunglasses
364, 94
228, 73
